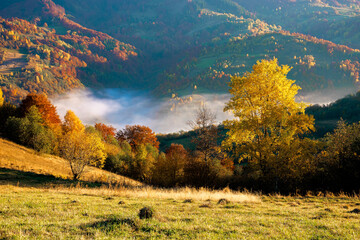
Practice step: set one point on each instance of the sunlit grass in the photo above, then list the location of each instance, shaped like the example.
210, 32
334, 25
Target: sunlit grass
150, 192
35, 203
14, 156
79, 213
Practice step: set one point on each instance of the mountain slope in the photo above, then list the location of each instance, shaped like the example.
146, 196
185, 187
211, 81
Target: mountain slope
92, 58
326, 120
327, 116
188, 43
36, 59
222, 28
317, 64
332, 20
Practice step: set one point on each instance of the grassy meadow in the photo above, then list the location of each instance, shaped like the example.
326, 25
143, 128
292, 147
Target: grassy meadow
79, 213
41, 202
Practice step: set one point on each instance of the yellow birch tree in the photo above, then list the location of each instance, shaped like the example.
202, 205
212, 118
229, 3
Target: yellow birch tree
267, 117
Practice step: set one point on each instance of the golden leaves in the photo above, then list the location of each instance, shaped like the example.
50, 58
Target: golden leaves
263, 102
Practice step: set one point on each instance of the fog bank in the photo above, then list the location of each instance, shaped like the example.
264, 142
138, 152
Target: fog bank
120, 108
325, 96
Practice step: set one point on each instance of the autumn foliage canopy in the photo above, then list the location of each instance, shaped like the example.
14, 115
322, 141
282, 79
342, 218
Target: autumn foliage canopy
137, 135
107, 132
44, 106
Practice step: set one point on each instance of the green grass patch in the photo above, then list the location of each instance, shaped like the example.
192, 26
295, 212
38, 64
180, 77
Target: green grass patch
43, 214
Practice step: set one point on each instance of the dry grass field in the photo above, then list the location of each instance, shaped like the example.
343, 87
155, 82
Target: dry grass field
35, 203
103, 213
16, 157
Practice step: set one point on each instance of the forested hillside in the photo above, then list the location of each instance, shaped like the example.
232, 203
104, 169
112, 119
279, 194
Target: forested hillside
333, 20
317, 64
168, 46
54, 55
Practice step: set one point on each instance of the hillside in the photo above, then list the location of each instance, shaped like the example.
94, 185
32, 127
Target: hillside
14, 158
332, 20
168, 46
327, 116
165, 32
317, 64
35, 58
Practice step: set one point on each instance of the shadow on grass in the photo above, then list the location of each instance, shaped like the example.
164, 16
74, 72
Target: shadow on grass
113, 224
30, 179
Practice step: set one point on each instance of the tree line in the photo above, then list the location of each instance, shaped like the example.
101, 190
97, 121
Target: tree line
266, 146
132, 151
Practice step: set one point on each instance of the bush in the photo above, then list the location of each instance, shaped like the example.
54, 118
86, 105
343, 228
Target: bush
146, 213
30, 132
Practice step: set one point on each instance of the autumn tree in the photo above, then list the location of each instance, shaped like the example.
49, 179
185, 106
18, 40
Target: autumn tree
45, 107
81, 150
143, 162
206, 132
137, 135
169, 170
196, 172
120, 162
267, 117
176, 156
30, 131
136, 163
294, 165
340, 163
79, 147
72, 123
6, 110
107, 132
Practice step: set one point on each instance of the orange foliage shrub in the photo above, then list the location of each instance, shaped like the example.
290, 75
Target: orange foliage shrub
176, 153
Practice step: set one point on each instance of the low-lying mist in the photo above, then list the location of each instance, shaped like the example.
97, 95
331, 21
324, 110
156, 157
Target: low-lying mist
120, 108
325, 96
